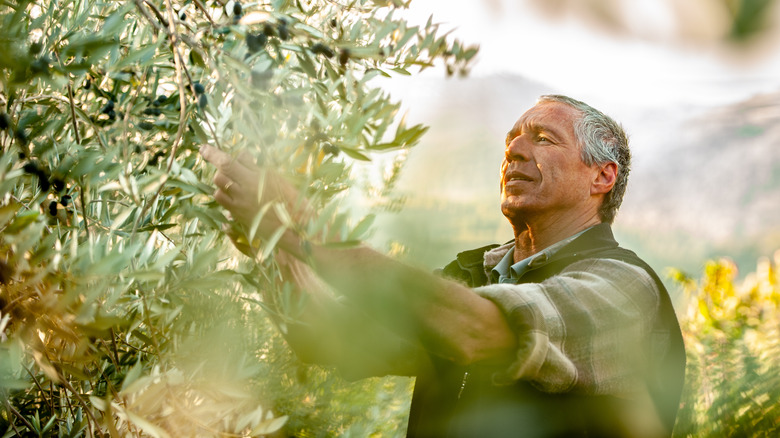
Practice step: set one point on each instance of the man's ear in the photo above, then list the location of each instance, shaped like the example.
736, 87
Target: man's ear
605, 178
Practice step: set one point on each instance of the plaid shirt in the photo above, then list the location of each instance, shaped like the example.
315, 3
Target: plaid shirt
581, 330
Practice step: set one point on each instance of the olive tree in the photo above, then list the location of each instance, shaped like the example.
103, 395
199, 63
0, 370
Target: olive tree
124, 309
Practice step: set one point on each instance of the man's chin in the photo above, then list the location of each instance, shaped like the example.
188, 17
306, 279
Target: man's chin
513, 209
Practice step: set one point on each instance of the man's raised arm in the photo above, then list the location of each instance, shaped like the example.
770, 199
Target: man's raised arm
447, 318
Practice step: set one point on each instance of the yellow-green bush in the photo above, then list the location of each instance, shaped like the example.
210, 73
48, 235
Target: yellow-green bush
732, 336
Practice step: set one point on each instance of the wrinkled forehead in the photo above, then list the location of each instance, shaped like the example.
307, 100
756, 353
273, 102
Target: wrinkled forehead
547, 113
546, 116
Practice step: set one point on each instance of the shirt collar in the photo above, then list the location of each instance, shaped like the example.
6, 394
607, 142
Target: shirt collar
508, 272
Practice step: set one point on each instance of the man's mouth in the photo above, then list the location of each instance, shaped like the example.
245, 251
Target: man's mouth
516, 176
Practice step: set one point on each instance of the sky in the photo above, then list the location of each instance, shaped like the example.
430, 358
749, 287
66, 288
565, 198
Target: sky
650, 62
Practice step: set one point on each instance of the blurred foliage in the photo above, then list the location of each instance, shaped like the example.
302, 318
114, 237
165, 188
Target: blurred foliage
123, 308
721, 21
732, 336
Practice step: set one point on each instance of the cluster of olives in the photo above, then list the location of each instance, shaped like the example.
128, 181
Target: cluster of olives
108, 109
53, 205
200, 91
47, 182
256, 41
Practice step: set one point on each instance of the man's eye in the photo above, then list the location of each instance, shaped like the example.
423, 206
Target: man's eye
542, 138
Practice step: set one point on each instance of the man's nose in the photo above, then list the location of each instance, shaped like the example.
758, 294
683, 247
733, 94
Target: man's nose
517, 150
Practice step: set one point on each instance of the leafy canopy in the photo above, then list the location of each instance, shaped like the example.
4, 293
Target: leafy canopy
123, 310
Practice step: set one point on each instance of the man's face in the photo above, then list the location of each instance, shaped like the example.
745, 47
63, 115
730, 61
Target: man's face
543, 176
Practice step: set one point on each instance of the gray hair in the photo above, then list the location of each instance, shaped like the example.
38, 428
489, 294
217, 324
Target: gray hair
602, 140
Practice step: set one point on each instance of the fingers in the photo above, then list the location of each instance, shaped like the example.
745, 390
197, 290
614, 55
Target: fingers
224, 183
215, 156
243, 163
241, 169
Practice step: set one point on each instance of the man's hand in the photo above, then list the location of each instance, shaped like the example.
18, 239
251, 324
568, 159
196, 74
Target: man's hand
238, 181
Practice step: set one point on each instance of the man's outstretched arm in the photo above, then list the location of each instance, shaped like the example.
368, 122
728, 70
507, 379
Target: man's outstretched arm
334, 332
447, 318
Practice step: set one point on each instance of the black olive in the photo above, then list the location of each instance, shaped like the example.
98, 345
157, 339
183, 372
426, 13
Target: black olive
237, 9
146, 126
284, 33
334, 23
199, 89
40, 65
31, 167
268, 30
35, 48
344, 57
65, 200
322, 49
21, 136
152, 111
156, 158
5, 121
203, 101
256, 41
109, 106
58, 184
53, 208
43, 181
112, 115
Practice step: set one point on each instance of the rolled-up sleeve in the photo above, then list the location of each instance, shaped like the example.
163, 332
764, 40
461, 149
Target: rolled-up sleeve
582, 330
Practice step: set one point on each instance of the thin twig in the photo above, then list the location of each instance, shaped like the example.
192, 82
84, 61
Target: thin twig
194, 45
73, 114
18, 415
177, 60
115, 349
83, 208
157, 13
81, 401
40, 388
200, 6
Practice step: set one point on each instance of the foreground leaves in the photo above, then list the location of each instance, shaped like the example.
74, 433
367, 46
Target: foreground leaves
123, 308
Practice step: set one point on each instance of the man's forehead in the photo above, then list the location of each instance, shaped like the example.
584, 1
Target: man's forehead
554, 118
548, 114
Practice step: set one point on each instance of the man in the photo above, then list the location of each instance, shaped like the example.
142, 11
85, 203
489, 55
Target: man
558, 333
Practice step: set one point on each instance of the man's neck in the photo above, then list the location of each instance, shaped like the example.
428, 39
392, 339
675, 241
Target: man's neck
530, 238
